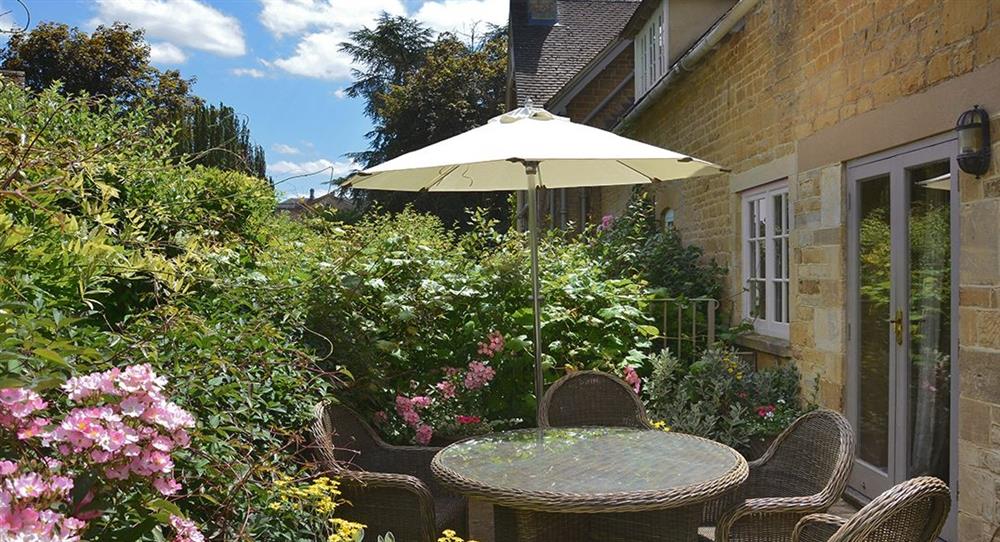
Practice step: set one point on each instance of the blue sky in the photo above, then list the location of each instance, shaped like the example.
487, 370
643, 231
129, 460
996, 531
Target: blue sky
274, 60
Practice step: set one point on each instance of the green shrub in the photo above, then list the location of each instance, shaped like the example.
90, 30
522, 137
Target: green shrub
112, 255
415, 299
720, 397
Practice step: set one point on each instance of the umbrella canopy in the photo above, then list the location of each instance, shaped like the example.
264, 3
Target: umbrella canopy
491, 158
527, 149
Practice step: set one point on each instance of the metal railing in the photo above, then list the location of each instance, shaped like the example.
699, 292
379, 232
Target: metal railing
682, 324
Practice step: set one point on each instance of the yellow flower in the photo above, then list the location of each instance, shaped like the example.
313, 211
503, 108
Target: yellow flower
661, 425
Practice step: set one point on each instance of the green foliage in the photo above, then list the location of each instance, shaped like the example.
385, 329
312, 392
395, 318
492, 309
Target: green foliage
720, 397
110, 254
420, 92
415, 298
112, 61
636, 244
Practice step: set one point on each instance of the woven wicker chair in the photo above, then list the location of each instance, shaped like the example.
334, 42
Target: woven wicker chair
913, 511
389, 488
592, 398
804, 471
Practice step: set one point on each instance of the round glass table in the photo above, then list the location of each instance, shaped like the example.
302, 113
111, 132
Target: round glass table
596, 483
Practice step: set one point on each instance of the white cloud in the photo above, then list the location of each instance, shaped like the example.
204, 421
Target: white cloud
281, 148
340, 93
284, 17
183, 23
247, 72
318, 55
312, 167
461, 15
166, 53
322, 25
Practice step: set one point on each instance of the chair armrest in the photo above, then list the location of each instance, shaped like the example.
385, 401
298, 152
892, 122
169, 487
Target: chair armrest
385, 502
817, 528
411, 460
766, 505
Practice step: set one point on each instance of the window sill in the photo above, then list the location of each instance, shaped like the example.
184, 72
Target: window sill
767, 344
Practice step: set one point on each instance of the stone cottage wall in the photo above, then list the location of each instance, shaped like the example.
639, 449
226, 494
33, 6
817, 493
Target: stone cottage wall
794, 74
979, 353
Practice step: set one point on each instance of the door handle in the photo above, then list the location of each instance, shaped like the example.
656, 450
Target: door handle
897, 326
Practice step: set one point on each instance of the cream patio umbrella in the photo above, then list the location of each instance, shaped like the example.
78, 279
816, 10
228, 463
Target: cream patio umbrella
527, 149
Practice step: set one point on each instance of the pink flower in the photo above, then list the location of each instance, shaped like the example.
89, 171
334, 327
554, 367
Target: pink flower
478, 376
466, 420
607, 221
411, 418
166, 486
380, 417
424, 434
633, 379
187, 531
447, 389
132, 406
403, 405
7, 467
28, 485
421, 401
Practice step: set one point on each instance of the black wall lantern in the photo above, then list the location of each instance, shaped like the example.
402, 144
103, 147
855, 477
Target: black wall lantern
973, 129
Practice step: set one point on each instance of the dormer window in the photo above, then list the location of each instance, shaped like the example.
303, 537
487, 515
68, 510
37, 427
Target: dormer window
651, 59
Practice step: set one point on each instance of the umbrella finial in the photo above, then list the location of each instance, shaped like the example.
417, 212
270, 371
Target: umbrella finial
529, 103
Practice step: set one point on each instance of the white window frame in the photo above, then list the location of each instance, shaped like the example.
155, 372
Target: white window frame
650, 50
775, 279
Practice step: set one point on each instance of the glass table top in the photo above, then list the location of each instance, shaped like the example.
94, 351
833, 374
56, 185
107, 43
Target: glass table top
589, 460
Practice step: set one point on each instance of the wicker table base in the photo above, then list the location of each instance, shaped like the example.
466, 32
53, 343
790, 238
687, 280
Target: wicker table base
671, 525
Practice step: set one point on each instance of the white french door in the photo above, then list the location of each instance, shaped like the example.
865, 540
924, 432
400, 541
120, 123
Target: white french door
902, 280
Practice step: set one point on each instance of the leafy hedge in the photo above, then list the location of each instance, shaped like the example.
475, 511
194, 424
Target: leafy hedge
415, 299
111, 255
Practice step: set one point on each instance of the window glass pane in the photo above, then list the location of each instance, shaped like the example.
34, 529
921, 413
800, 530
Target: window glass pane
762, 218
762, 259
929, 225
786, 274
779, 257
874, 242
762, 299
779, 212
778, 302
784, 291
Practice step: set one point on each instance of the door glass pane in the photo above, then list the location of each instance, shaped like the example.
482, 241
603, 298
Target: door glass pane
874, 252
930, 319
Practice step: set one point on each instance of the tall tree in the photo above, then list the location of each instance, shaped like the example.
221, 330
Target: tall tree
217, 136
414, 100
385, 55
113, 61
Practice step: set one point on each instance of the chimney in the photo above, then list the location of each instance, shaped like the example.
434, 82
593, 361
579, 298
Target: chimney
312, 194
543, 11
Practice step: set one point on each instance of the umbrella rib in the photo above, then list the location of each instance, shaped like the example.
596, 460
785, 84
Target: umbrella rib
440, 178
651, 179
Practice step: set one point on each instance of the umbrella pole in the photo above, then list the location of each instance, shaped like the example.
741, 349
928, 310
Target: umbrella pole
531, 171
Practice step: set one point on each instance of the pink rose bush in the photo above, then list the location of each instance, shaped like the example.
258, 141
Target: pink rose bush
120, 429
449, 406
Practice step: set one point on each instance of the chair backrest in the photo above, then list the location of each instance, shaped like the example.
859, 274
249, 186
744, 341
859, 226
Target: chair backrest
813, 455
913, 511
591, 398
342, 436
